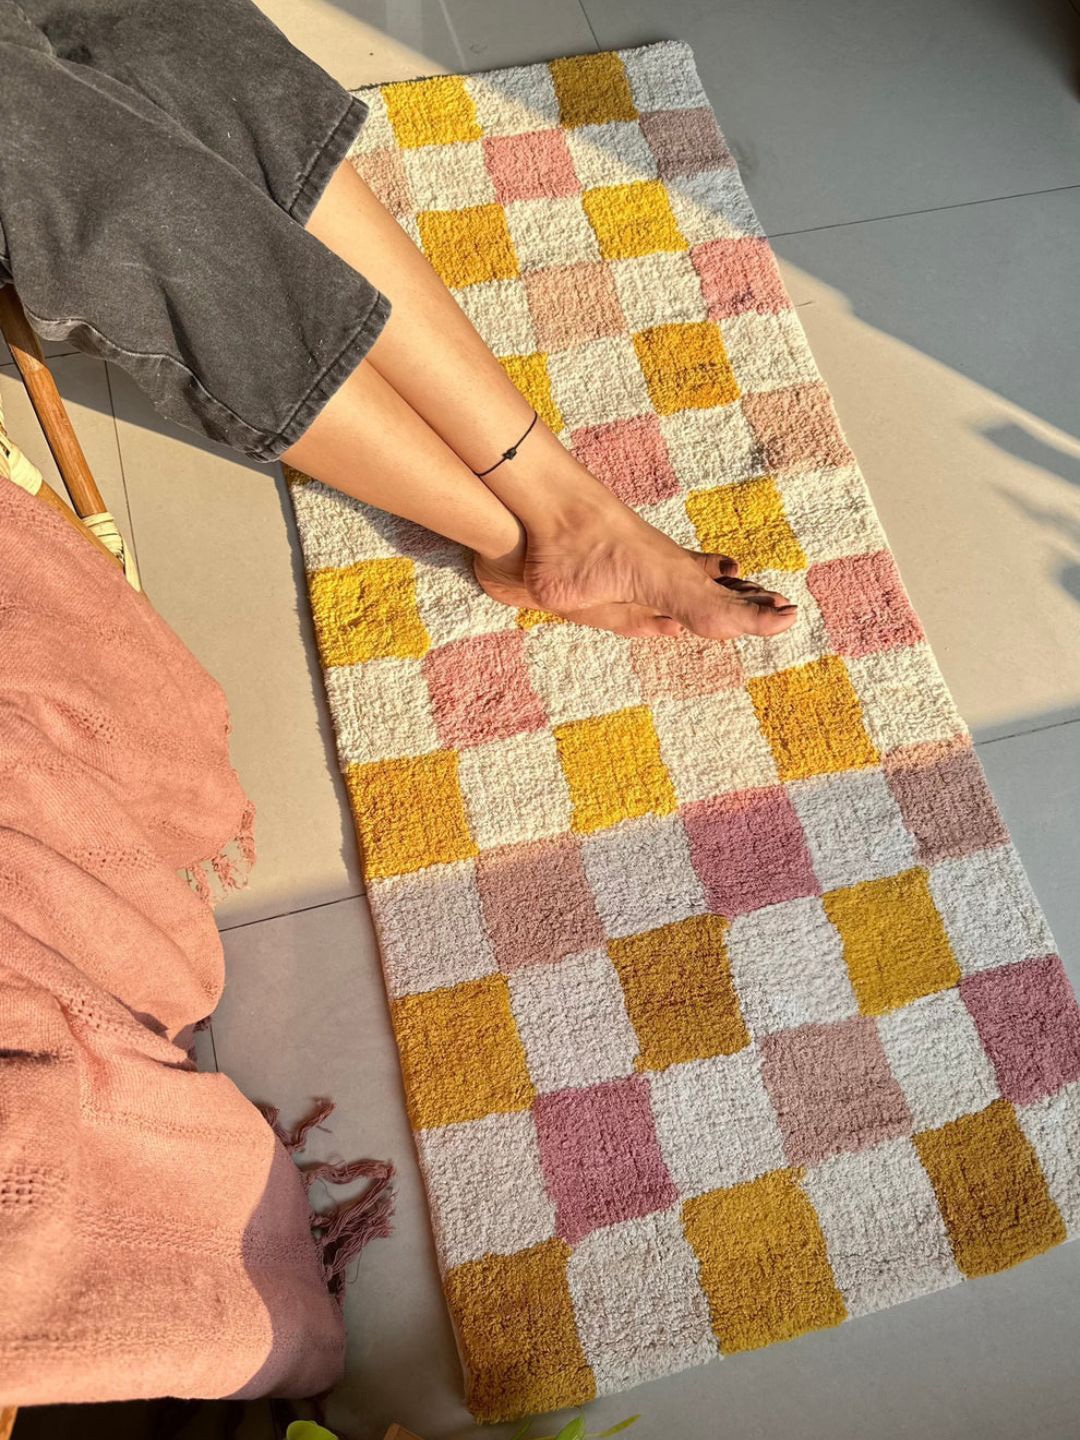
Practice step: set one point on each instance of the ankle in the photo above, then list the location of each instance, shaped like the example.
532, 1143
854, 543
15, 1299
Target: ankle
549, 491
568, 517
507, 560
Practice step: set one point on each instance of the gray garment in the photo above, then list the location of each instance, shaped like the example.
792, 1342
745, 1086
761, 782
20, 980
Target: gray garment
158, 162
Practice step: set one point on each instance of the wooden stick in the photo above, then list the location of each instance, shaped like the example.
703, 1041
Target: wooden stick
54, 502
48, 406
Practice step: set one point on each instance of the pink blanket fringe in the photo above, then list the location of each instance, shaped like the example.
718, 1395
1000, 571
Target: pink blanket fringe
342, 1231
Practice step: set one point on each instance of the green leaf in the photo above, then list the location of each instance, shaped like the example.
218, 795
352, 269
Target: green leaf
574, 1430
308, 1430
523, 1429
622, 1425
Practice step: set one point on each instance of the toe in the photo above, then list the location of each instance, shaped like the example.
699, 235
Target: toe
762, 618
750, 590
716, 567
735, 607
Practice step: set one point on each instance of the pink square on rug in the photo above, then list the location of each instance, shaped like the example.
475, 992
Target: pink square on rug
832, 1089
480, 689
630, 457
685, 141
600, 1156
384, 172
530, 167
574, 303
749, 850
737, 276
684, 667
537, 903
862, 601
797, 426
1029, 1023
947, 805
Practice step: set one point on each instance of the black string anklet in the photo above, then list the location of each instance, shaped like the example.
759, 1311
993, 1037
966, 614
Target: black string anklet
508, 454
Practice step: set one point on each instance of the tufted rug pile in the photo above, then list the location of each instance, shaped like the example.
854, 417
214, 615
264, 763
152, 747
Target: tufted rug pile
724, 1007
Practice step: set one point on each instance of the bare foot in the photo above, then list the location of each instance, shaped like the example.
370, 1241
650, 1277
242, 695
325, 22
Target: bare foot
598, 563
503, 582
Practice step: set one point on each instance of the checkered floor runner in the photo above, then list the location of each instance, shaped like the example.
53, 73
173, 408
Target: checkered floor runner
724, 1008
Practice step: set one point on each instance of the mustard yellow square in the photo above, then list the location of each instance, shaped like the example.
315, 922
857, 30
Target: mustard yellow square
367, 611
812, 719
409, 813
529, 619
686, 367
530, 374
895, 945
613, 768
514, 1317
593, 89
461, 1056
990, 1189
469, 246
763, 1262
747, 521
679, 993
632, 220
439, 111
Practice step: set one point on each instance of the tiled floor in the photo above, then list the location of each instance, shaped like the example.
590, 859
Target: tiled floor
919, 167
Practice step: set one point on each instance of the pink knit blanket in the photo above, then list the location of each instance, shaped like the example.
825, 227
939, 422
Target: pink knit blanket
154, 1234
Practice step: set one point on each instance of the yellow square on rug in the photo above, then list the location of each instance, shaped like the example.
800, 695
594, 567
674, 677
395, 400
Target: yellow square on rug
724, 1007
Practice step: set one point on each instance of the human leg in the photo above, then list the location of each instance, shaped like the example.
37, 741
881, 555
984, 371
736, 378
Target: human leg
371, 444
582, 547
128, 237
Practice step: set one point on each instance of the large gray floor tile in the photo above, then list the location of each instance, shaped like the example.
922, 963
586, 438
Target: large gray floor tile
982, 288
1036, 779
84, 387
838, 110
304, 1015
363, 42
948, 342
990, 1360
220, 561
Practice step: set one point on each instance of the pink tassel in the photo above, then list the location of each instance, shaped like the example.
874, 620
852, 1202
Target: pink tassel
351, 1225
342, 1231
201, 883
224, 871
245, 838
296, 1139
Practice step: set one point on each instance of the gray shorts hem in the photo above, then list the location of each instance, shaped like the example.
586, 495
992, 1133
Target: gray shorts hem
326, 159
332, 378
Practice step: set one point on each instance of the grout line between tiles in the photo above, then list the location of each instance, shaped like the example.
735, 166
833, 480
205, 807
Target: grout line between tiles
282, 914
64, 355
588, 22
120, 461
359, 894
1033, 730
930, 210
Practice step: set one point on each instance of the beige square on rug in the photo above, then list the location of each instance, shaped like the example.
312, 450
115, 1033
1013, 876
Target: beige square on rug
724, 1007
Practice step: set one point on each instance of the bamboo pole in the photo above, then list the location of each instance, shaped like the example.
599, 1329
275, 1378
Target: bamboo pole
48, 406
